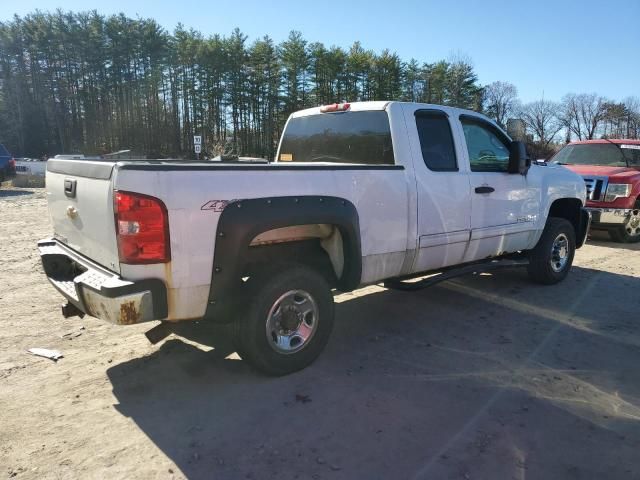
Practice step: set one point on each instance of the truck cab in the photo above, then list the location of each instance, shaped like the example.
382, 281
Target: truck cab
611, 172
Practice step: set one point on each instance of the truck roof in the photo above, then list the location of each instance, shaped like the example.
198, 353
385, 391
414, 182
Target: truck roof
382, 105
619, 141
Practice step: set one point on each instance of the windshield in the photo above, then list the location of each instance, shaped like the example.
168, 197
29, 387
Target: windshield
604, 154
350, 137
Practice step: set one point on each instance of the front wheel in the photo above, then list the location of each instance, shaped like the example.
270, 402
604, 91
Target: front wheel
551, 259
630, 231
287, 321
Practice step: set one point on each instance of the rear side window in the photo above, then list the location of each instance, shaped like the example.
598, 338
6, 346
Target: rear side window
436, 141
345, 137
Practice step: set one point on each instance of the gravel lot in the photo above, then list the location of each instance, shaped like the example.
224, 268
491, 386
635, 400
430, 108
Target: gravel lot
484, 377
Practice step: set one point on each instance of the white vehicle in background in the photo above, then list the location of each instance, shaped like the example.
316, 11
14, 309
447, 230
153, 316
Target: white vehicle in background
359, 194
30, 172
31, 166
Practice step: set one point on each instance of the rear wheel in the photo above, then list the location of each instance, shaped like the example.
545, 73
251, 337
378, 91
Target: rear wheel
287, 321
551, 259
630, 231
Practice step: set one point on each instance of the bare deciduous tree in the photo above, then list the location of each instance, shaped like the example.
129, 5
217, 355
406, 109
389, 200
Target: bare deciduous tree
500, 101
544, 119
614, 121
583, 114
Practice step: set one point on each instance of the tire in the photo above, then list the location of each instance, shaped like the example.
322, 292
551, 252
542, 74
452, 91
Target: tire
630, 231
551, 259
287, 321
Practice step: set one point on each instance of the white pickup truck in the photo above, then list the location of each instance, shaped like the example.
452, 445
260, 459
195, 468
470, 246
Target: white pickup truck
358, 194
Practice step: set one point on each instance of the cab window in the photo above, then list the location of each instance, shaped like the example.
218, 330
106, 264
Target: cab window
488, 148
436, 141
362, 137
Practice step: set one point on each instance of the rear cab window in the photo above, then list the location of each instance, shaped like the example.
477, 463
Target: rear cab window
360, 137
436, 141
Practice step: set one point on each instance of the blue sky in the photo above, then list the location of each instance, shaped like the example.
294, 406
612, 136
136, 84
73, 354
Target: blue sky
541, 46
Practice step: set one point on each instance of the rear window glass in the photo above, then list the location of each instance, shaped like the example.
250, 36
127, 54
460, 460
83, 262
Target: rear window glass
3, 151
348, 137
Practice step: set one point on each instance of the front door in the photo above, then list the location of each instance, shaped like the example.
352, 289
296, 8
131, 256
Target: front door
503, 207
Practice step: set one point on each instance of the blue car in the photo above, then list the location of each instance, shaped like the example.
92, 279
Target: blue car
7, 164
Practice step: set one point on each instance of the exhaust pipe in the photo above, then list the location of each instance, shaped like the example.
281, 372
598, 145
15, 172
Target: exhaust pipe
70, 310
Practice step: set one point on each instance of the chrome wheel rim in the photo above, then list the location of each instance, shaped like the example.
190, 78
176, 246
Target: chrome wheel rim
633, 224
559, 253
292, 321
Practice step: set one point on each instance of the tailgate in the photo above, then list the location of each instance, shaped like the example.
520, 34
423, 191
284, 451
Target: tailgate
80, 197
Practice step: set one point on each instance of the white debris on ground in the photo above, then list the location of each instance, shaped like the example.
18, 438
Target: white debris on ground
47, 353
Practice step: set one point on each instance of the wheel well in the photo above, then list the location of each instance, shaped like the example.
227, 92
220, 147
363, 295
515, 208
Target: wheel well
253, 231
307, 252
569, 209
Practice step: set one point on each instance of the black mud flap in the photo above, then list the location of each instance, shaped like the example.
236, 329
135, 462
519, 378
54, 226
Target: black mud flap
585, 224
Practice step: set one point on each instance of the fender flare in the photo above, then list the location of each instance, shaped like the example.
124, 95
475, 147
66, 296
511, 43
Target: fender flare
242, 220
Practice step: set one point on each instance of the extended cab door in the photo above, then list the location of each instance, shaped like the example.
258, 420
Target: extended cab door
504, 207
442, 183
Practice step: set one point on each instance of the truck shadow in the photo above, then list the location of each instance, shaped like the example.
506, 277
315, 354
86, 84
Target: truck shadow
489, 374
602, 239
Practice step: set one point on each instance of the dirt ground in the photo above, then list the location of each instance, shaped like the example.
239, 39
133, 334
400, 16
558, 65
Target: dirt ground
484, 377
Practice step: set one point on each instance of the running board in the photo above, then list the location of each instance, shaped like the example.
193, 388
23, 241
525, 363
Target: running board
448, 274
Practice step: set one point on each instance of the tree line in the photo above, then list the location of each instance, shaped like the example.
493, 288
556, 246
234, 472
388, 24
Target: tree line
89, 83
84, 82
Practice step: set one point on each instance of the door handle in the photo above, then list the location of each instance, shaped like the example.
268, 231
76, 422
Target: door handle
485, 189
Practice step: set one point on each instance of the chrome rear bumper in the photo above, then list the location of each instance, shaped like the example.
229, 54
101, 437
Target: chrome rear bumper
99, 292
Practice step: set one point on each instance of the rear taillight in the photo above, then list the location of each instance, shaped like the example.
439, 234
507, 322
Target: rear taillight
142, 228
12, 163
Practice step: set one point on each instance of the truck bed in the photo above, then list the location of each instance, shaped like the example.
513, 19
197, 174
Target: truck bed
195, 194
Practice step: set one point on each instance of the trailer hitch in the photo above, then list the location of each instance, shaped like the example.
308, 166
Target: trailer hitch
70, 310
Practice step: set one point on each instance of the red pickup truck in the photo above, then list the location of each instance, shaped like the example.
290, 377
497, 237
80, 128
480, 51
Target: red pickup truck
611, 172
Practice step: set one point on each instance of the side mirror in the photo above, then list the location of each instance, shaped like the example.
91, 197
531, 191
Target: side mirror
519, 161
